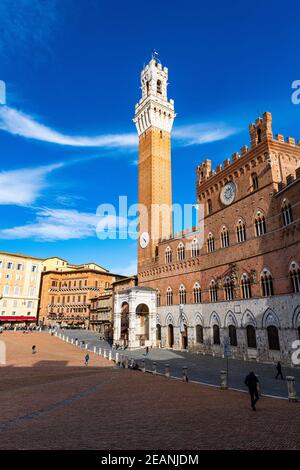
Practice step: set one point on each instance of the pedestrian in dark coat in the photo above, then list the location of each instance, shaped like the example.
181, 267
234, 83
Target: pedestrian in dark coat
279, 371
251, 381
86, 359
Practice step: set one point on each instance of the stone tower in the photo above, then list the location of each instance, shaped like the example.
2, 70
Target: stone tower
154, 117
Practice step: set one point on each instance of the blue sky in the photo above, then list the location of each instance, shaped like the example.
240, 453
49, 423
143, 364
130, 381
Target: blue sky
72, 72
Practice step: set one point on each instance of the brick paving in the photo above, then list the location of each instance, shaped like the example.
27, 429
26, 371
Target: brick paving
52, 401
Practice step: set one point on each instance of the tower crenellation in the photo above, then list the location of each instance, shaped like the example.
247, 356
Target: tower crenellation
261, 130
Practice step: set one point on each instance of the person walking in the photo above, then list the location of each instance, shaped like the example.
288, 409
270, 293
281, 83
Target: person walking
86, 359
279, 371
251, 381
33, 349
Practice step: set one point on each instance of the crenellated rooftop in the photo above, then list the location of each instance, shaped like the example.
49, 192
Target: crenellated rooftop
260, 131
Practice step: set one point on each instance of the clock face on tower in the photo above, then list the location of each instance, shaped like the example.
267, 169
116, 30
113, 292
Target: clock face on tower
228, 193
144, 239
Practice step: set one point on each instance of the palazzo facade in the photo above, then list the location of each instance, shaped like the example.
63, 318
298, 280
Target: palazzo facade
236, 274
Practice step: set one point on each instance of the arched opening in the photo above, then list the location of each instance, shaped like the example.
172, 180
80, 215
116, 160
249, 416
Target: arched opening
254, 178
251, 336
158, 332
259, 136
142, 326
232, 335
184, 337
159, 87
124, 323
273, 338
216, 334
199, 334
170, 336
209, 206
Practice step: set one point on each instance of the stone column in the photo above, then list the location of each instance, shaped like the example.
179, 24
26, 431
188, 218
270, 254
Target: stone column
132, 328
223, 379
291, 389
152, 328
117, 321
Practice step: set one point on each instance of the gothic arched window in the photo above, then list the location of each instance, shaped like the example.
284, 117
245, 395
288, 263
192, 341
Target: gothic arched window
168, 255
245, 286
260, 224
273, 338
295, 277
181, 252
241, 231
197, 293
210, 243
287, 215
158, 298
266, 283
195, 248
228, 289
224, 237
169, 296
182, 294
213, 291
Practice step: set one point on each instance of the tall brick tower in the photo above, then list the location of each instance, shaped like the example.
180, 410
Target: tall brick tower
154, 117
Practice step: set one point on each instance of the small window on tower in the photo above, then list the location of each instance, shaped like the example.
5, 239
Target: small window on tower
159, 86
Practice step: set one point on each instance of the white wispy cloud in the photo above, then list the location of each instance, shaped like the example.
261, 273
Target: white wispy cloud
18, 123
203, 133
62, 224
23, 186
